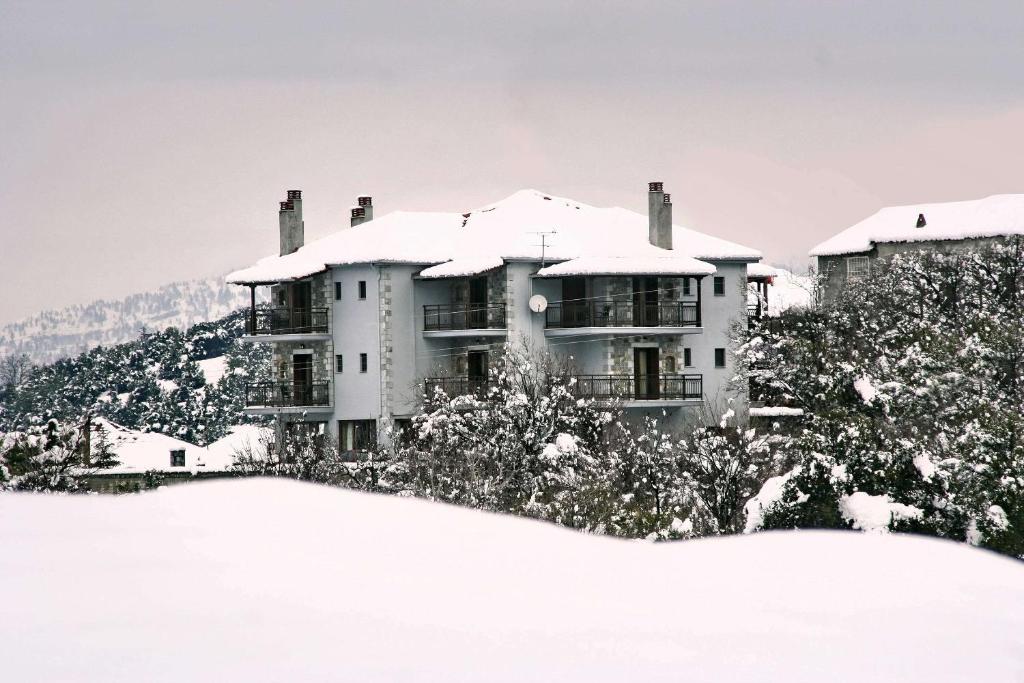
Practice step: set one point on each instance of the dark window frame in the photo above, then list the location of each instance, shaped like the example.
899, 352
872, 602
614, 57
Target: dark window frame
339, 363
337, 291
686, 286
719, 285
687, 357
178, 457
719, 357
362, 290
364, 362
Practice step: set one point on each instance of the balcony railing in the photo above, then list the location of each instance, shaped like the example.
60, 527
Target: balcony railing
456, 386
273, 395
601, 387
639, 388
610, 313
438, 317
289, 321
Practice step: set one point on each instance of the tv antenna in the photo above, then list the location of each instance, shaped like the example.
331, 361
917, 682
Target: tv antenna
543, 243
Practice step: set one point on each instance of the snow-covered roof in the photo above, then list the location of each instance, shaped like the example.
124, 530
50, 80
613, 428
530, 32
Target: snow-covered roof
462, 267
504, 230
371, 587
138, 452
628, 265
1001, 214
760, 270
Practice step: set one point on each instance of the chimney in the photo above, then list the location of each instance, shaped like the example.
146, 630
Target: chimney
290, 220
921, 222
659, 216
364, 211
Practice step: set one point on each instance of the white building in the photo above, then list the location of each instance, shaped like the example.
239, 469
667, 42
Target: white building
366, 319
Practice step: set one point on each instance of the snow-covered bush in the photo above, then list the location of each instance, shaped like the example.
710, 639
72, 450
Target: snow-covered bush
912, 387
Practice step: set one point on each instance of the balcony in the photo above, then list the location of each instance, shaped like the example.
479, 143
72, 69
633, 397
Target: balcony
272, 397
640, 388
674, 317
626, 388
456, 386
464, 320
288, 324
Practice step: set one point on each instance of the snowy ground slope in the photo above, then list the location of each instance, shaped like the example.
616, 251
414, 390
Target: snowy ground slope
262, 580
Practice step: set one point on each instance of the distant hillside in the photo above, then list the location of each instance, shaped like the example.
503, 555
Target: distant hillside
186, 382
67, 332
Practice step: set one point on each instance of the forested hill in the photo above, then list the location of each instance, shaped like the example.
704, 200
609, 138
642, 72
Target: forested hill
50, 335
186, 384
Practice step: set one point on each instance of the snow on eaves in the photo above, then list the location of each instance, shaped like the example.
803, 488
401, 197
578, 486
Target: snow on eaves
993, 216
508, 229
462, 267
761, 270
628, 265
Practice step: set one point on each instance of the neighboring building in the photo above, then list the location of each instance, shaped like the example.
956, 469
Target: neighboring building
367, 319
144, 457
949, 226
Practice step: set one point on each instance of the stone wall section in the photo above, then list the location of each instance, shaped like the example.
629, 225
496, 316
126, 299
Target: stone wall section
387, 381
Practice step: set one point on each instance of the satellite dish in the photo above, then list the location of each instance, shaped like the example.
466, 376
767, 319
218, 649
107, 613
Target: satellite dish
538, 304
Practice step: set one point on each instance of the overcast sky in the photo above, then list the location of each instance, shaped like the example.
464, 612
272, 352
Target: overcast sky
145, 142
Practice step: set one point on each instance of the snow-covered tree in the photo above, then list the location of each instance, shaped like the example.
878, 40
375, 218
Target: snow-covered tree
51, 457
912, 385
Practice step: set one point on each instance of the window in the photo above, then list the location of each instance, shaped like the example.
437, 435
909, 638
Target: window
686, 286
363, 362
687, 358
337, 291
719, 286
178, 458
362, 289
356, 435
857, 267
339, 363
719, 358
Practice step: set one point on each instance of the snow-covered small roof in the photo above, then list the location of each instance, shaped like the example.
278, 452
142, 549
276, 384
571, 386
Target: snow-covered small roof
138, 452
628, 265
760, 270
462, 267
998, 215
220, 455
505, 230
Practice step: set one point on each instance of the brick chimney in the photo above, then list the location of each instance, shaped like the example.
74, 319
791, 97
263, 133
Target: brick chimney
659, 216
290, 219
364, 211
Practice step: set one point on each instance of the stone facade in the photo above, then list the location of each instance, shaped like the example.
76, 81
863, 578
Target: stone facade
387, 382
832, 269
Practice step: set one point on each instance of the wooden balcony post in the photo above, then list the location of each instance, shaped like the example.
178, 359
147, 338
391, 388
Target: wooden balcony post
252, 309
700, 282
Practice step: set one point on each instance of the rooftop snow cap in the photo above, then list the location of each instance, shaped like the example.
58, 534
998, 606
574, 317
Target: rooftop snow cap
290, 222
659, 216
921, 222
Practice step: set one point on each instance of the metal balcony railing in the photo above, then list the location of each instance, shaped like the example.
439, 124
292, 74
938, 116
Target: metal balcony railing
639, 388
610, 313
437, 317
456, 386
275, 395
288, 321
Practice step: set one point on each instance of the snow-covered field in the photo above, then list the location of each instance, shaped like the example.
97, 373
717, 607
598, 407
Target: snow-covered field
261, 580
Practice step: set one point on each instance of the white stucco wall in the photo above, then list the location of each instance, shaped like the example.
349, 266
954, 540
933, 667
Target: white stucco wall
356, 329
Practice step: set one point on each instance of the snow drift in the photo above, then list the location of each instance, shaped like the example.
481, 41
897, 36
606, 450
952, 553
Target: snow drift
270, 580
